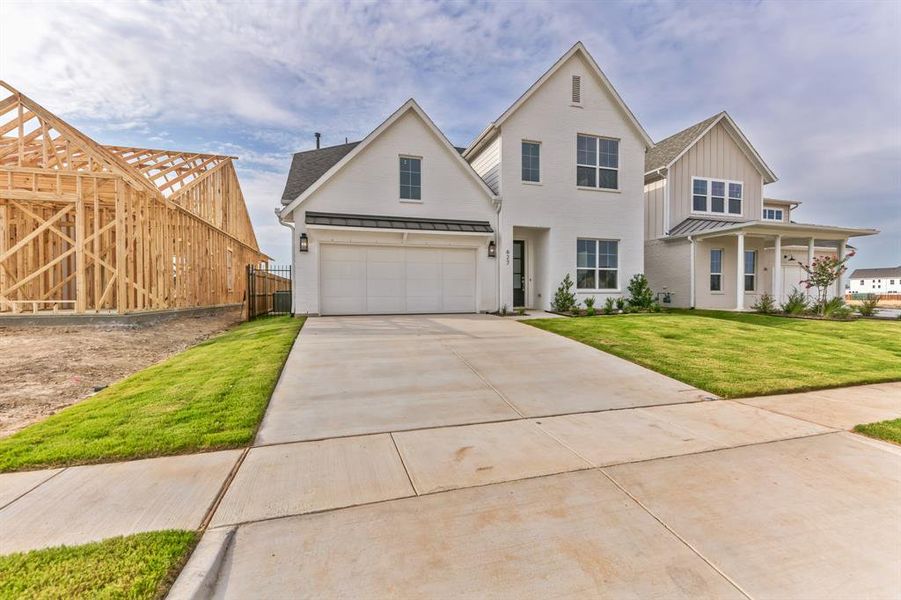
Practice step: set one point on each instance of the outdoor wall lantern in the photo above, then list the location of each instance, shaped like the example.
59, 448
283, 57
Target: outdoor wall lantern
304, 245
492, 249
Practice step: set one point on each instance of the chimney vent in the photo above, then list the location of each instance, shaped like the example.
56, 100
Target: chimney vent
318, 135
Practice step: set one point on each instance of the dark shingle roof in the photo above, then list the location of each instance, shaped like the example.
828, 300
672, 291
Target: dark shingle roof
310, 165
879, 272
696, 225
408, 223
664, 151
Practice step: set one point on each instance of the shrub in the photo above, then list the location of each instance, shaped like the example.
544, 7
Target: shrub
640, 294
620, 304
765, 304
609, 306
575, 310
520, 311
655, 307
867, 307
796, 303
564, 298
834, 308
589, 306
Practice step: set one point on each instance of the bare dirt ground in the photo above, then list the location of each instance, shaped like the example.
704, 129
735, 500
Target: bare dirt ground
44, 369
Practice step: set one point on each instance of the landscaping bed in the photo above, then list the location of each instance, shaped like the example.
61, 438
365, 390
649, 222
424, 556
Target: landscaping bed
45, 369
740, 354
211, 396
143, 565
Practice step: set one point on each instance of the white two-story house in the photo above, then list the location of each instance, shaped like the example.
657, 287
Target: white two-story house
403, 222
714, 240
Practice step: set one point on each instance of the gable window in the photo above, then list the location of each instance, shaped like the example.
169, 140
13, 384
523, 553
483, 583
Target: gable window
750, 270
597, 162
597, 264
716, 196
531, 162
410, 178
577, 89
772, 214
716, 270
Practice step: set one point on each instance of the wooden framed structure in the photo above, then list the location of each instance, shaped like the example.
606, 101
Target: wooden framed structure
91, 228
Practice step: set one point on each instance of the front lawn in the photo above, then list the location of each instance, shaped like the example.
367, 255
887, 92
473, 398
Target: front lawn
137, 566
739, 354
884, 430
211, 396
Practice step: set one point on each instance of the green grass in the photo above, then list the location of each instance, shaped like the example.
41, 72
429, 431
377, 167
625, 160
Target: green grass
739, 354
884, 430
137, 566
210, 396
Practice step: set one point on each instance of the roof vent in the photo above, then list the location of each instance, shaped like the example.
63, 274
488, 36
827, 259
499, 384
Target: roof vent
577, 89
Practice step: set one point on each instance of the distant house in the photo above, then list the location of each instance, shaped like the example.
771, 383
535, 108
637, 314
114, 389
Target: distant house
885, 280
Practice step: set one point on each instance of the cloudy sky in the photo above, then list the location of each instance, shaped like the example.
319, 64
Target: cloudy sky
816, 86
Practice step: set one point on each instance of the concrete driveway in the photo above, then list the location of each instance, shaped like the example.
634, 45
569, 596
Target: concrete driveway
472, 456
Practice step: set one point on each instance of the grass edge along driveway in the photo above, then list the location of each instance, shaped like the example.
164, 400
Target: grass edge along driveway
738, 355
889, 431
143, 565
211, 396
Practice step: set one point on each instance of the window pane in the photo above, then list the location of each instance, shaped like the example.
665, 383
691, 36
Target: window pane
416, 193
749, 283
586, 150
405, 177
585, 279
699, 203
404, 164
405, 192
607, 279
415, 179
716, 261
607, 254
735, 190
700, 187
734, 206
586, 256
608, 179
530, 161
608, 153
777, 214
715, 283
586, 176
717, 205
717, 188
751, 261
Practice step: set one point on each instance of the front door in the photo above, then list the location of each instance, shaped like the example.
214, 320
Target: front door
519, 273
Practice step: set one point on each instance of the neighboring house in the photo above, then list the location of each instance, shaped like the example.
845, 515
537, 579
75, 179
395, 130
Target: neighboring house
713, 239
875, 281
403, 222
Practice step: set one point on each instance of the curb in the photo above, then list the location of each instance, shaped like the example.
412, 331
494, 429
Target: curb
198, 579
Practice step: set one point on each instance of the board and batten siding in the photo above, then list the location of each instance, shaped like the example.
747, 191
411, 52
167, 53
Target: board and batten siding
488, 164
716, 156
655, 213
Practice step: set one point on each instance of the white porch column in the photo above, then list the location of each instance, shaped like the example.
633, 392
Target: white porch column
691, 289
810, 254
777, 270
839, 292
740, 273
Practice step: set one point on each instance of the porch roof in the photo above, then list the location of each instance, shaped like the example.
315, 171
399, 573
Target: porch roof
707, 228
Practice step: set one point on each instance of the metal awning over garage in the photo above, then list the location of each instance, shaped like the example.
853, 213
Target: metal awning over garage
340, 220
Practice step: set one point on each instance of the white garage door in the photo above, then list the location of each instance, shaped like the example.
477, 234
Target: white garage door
356, 280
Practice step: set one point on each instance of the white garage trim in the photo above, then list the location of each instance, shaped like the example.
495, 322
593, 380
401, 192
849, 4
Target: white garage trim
373, 294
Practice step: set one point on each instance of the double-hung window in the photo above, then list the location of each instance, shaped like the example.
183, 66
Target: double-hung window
597, 162
716, 196
531, 162
597, 264
410, 178
716, 270
750, 270
772, 214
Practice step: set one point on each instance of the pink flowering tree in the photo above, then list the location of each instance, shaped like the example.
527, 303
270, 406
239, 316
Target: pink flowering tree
822, 273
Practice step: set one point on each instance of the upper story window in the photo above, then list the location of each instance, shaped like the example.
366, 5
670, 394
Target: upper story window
716, 196
410, 178
597, 162
577, 89
531, 162
772, 214
597, 264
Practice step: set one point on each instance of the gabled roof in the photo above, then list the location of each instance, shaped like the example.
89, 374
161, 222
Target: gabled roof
877, 272
578, 48
169, 170
310, 165
667, 151
409, 105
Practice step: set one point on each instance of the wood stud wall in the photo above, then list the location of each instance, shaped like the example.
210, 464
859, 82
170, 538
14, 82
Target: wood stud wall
90, 228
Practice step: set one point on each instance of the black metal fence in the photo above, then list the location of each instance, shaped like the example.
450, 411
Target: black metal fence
268, 291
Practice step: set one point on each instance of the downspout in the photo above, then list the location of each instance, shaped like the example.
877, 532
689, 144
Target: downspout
691, 270
290, 225
497, 257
